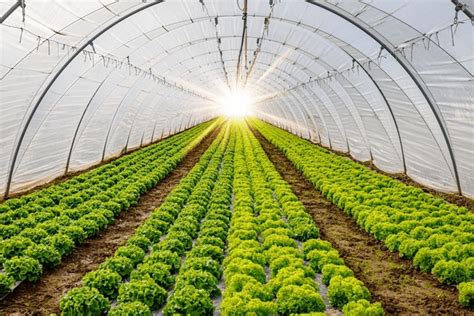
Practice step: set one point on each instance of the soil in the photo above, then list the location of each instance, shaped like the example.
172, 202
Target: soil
42, 298
392, 280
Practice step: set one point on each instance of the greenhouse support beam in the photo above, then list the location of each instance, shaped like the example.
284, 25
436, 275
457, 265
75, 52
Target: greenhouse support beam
464, 8
73, 142
402, 151
406, 65
53, 80
12, 9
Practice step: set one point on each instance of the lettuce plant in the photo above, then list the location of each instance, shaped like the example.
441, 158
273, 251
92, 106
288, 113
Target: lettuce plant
6, 283
47, 255
362, 307
145, 291
134, 253
158, 272
104, 280
466, 294
83, 301
23, 268
130, 309
119, 264
451, 272
331, 270
344, 290
299, 299
189, 300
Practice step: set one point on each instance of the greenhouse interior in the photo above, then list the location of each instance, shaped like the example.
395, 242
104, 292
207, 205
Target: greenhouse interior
237, 157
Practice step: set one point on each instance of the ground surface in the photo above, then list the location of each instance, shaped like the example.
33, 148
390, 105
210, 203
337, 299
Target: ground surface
393, 281
42, 298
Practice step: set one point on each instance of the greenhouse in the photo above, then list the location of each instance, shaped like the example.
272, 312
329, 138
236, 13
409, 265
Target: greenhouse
236, 157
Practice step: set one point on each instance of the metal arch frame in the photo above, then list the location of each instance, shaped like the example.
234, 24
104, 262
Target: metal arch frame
203, 20
139, 110
69, 155
392, 114
312, 2
152, 96
318, 104
233, 16
308, 102
287, 74
337, 94
325, 36
328, 37
68, 161
203, 54
73, 144
53, 80
322, 117
421, 33
130, 90
12, 9
406, 65
376, 84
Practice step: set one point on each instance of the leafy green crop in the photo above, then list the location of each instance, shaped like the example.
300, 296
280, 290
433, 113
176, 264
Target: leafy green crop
362, 307
189, 300
130, 309
435, 234
84, 301
106, 281
45, 225
466, 294
299, 299
23, 268
158, 272
344, 290
145, 291
6, 283
47, 255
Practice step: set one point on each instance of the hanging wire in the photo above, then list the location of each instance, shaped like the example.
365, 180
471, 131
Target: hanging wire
23, 11
266, 27
215, 22
242, 43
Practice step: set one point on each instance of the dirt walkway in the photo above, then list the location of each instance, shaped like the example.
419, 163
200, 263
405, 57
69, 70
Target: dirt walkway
393, 281
42, 298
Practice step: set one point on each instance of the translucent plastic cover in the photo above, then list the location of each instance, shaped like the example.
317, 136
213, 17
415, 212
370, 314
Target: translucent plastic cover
387, 81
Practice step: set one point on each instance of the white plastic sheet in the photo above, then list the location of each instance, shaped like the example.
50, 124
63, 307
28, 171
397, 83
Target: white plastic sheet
388, 81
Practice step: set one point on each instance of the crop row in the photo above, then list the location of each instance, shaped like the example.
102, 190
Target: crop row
137, 279
267, 271
174, 261
40, 228
436, 235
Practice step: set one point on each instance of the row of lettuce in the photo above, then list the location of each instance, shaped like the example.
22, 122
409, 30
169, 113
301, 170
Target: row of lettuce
437, 236
233, 217
268, 269
173, 258
39, 229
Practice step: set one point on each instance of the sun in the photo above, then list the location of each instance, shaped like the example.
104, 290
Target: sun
236, 104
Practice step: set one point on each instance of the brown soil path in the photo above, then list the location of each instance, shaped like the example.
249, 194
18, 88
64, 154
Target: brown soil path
393, 281
42, 298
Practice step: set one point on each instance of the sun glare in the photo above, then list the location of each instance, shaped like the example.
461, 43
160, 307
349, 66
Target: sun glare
236, 104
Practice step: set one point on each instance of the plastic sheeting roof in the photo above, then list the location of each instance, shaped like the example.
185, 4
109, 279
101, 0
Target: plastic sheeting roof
388, 81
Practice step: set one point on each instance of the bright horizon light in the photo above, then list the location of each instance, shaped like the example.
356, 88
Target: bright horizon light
236, 104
